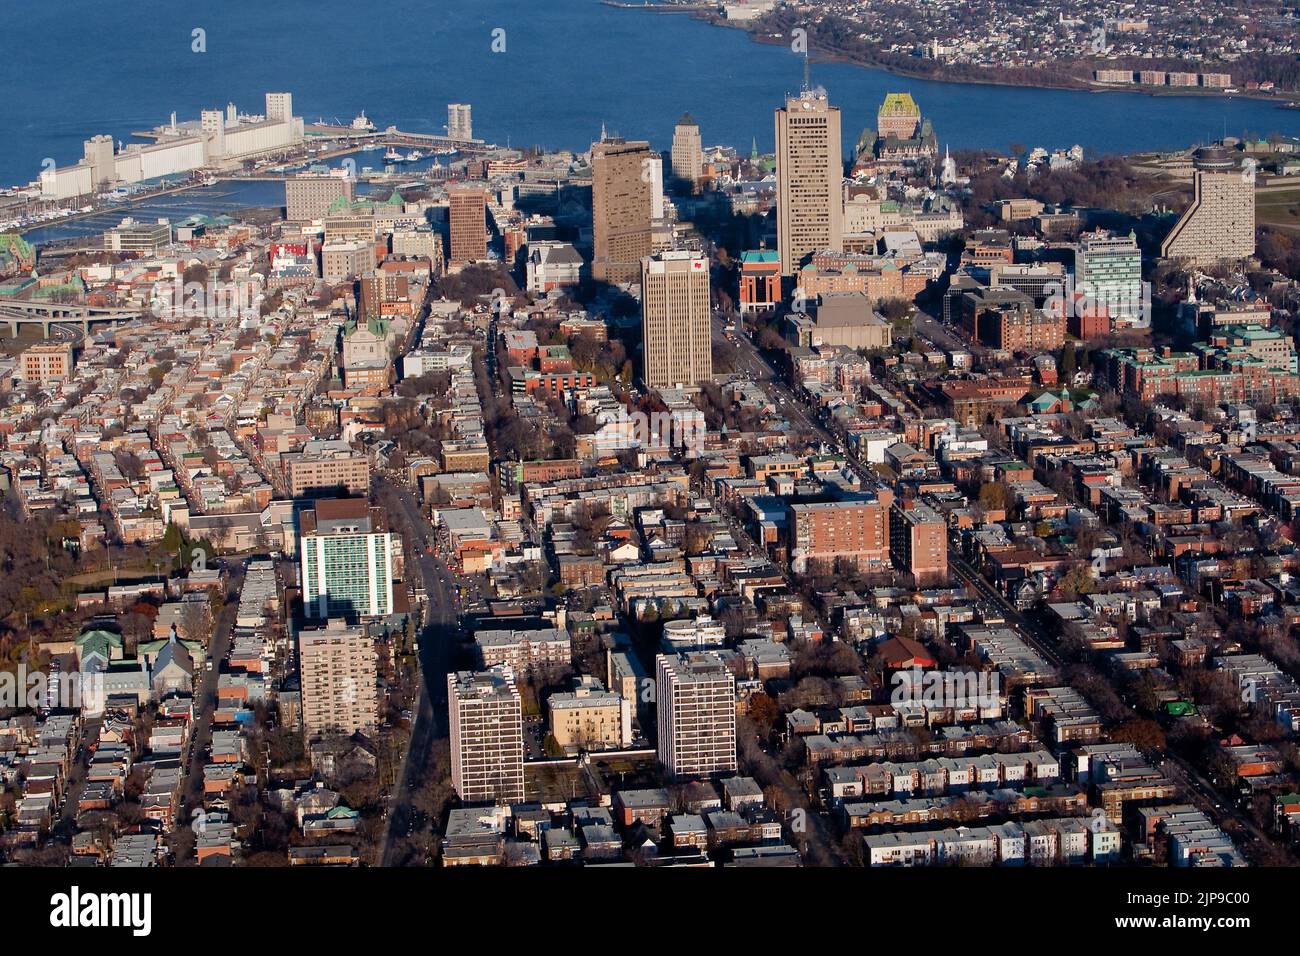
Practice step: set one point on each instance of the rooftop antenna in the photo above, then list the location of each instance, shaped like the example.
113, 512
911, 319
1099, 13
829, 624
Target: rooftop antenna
807, 85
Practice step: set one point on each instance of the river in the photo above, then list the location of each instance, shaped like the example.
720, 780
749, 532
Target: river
566, 67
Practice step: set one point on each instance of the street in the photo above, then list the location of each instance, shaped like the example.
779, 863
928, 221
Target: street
438, 641
205, 699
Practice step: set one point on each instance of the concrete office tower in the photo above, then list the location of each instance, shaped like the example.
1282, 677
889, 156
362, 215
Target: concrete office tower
696, 699
622, 175
487, 736
347, 561
309, 197
460, 121
339, 674
1220, 222
810, 175
468, 218
676, 336
1108, 269
688, 152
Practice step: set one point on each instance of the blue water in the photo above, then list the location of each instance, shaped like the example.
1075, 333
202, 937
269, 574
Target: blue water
72, 68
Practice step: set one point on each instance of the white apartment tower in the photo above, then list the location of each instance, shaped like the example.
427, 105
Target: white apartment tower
696, 698
487, 736
337, 664
1220, 222
1108, 269
676, 336
810, 176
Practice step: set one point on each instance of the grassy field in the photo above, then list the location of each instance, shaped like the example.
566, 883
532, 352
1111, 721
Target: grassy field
1278, 208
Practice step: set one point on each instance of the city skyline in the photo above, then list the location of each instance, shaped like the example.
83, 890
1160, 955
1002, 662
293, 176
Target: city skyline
475, 485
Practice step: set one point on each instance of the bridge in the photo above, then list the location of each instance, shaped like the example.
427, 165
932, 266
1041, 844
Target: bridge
18, 312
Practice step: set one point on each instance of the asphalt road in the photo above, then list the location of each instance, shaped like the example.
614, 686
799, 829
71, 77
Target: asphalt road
206, 696
438, 640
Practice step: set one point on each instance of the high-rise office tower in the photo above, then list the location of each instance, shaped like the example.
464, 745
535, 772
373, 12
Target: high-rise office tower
347, 560
1220, 222
487, 736
696, 699
621, 198
688, 152
810, 175
460, 121
676, 335
468, 218
337, 665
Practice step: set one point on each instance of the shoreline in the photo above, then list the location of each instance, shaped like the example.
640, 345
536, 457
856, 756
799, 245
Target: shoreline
821, 55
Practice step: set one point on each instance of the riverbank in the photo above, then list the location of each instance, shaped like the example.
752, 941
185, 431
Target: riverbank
756, 34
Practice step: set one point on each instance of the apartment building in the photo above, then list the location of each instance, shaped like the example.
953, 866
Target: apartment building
487, 736
1108, 271
696, 699
855, 531
918, 541
338, 668
346, 259
590, 718
347, 560
525, 652
325, 467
